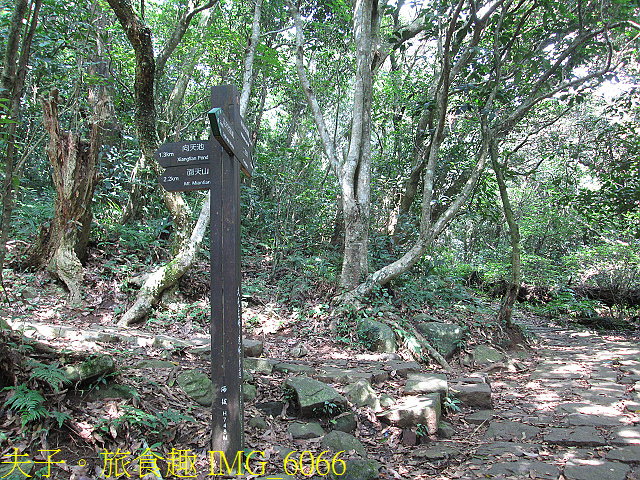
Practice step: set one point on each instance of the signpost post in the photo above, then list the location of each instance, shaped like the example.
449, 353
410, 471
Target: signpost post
216, 165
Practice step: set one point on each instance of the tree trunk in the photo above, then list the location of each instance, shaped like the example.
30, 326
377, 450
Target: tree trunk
13, 77
506, 309
354, 174
62, 246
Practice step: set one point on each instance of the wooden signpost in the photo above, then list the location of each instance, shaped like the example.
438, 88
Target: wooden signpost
189, 166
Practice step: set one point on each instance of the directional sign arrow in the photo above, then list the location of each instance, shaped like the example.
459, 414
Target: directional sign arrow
186, 178
233, 143
183, 153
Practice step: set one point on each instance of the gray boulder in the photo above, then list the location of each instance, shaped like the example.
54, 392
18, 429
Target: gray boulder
252, 348
444, 337
486, 355
477, 395
314, 398
378, 336
360, 393
345, 423
413, 411
305, 431
422, 383
338, 441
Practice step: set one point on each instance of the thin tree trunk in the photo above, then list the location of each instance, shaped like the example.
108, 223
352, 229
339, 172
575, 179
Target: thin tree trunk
13, 78
510, 296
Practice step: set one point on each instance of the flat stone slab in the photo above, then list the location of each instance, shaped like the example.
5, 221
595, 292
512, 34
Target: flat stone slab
626, 435
575, 437
339, 375
414, 410
587, 409
293, 368
595, 470
479, 417
508, 430
436, 452
476, 395
524, 469
500, 448
581, 419
630, 454
425, 383
404, 368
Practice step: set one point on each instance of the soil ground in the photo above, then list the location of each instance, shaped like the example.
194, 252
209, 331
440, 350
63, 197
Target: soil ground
559, 367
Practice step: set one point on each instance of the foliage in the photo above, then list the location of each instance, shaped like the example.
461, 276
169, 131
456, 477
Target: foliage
28, 403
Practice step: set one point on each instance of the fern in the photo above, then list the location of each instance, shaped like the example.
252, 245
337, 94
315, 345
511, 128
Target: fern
51, 374
28, 403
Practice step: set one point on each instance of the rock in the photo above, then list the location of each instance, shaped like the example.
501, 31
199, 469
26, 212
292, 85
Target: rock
169, 343
404, 368
257, 422
581, 419
627, 435
444, 337
379, 376
361, 394
446, 430
510, 431
293, 368
500, 448
270, 408
29, 293
305, 431
298, 351
479, 417
90, 369
595, 470
409, 437
476, 395
437, 452
484, 355
630, 454
425, 318
252, 348
423, 383
356, 469
112, 390
155, 364
339, 375
415, 410
523, 469
260, 365
345, 422
337, 441
197, 385
379, 337
315, 398
386, 400
249, 392
575, 437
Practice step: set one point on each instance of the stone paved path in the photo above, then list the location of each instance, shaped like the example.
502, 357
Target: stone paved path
577, 415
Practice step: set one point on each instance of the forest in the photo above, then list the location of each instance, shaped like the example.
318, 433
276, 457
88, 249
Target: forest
469, 162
